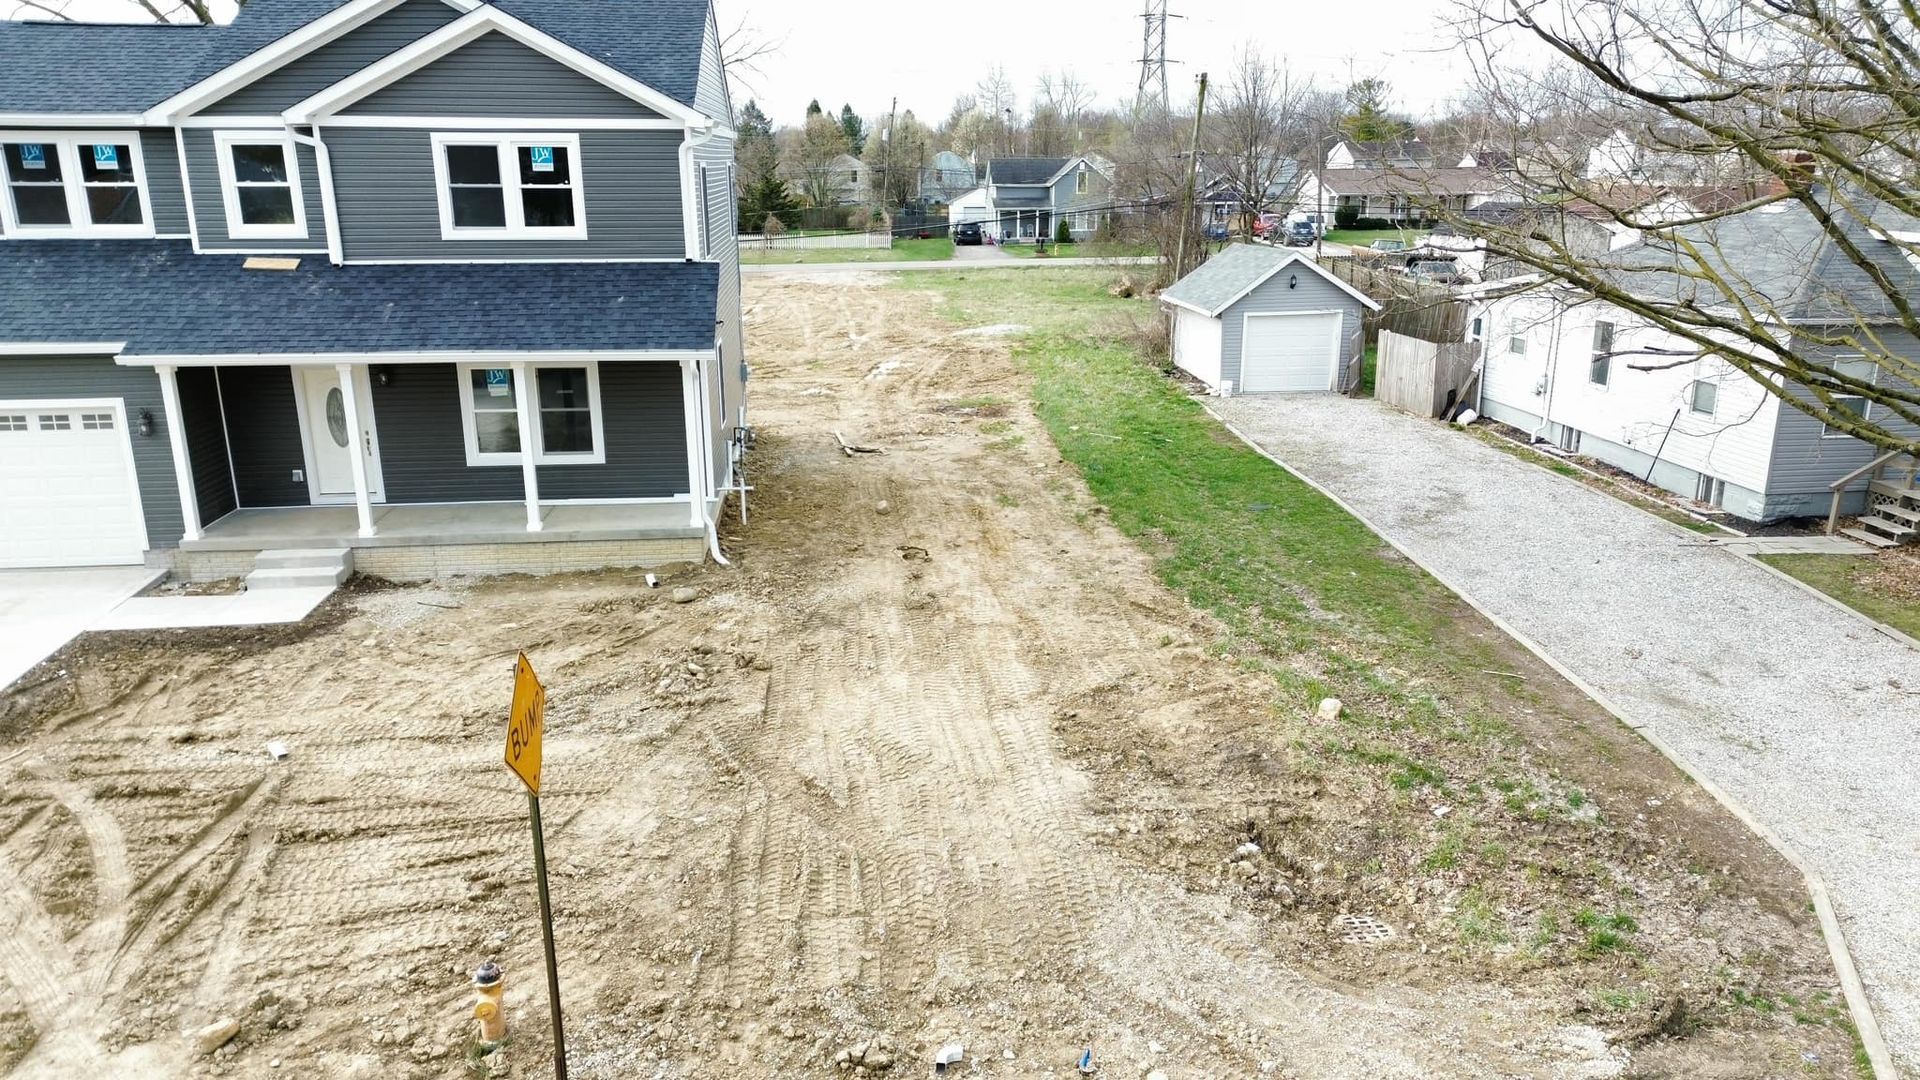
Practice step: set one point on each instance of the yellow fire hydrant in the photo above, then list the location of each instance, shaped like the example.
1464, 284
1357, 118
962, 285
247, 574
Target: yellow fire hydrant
490, 1019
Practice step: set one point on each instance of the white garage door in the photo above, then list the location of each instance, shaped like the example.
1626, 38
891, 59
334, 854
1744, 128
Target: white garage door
1289, 353
67, 494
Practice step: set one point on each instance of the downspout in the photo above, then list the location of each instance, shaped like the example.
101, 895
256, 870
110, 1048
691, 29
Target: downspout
701, 498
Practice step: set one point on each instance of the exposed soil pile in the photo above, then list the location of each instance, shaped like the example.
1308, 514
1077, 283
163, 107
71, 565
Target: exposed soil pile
936, 759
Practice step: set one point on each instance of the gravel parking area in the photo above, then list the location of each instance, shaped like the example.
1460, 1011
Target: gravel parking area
1804, 715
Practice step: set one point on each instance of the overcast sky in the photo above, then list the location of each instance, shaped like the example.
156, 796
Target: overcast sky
864, 52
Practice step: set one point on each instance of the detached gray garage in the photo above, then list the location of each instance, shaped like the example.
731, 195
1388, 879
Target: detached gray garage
1265, 320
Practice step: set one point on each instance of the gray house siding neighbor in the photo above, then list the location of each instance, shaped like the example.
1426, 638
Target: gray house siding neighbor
1314, 293
1099, 193
99, 377
389, 209
206, 447
300, 79
495, 75
263, 424
1804, 462
423, 455
210, 208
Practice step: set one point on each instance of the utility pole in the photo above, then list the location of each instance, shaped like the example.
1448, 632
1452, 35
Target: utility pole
1186, 195
886, 155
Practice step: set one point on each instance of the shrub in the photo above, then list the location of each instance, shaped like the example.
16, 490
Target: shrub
1372, 223
1063, 233
859, 219
1345, 216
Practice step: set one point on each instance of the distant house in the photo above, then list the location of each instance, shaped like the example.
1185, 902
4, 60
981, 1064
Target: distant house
1411, 196
1661, 154
1224, 197
1543, 228
1573, 371
1256, 319
1626, 210
1027, 197
947, 177
840, 182
1384, 154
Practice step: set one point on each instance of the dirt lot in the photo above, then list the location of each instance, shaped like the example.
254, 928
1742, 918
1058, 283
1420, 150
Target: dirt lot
937, 758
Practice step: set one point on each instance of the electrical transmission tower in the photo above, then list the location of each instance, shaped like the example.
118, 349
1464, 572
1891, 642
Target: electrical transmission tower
1152, 98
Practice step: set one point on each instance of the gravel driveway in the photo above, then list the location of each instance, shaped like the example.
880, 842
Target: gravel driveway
1804, 715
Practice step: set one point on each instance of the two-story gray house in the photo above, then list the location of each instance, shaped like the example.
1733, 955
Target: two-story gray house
452, 284
1026, 198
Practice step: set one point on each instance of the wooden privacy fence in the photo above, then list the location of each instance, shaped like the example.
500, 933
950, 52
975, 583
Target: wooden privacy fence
1426, 378
1406, 306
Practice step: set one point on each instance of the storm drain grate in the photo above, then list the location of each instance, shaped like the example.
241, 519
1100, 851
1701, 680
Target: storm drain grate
1361, 929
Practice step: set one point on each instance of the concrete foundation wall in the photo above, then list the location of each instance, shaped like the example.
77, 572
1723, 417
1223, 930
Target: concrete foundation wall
426, 562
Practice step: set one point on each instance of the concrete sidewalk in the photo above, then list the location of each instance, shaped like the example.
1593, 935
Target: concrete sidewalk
1803, 713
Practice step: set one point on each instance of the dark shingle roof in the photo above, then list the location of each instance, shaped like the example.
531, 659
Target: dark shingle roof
1781, 261
1025, 170
162, 299
97, 67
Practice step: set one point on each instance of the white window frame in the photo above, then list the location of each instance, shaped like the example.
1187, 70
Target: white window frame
507, 144
223, 144
1516, 345
1080, 181
596, 409
1693, 398
1866, 407
67, 145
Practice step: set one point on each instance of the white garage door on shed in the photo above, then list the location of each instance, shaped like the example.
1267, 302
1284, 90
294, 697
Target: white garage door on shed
1290, 353
68, 496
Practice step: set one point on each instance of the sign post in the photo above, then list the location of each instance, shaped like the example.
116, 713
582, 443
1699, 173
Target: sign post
526, 725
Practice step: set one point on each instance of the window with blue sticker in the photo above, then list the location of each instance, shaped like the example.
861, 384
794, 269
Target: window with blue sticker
73, 186
494, 186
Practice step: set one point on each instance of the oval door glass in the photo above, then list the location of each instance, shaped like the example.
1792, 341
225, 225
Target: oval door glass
337, 416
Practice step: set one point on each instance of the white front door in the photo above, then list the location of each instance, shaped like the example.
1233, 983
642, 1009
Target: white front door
325, 415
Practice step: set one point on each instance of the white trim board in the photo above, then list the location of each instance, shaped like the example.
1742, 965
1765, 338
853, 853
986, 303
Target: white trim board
61, 348
1294, 258
464, 31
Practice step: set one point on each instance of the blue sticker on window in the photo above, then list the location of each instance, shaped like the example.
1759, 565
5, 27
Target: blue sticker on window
33, 155
106, 157
542, 157
497, 385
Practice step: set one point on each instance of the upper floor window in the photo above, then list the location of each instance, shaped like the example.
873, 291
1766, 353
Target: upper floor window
1600, 369
1080, 181
260, 183
72, 184
517, 187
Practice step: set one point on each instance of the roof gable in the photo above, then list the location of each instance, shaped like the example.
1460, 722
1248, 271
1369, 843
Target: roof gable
1225, 279
490, 76
1025, 171
299, 78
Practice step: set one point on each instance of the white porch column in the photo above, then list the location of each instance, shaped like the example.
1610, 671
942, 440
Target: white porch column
182, 465
357, 452
523, 392
696, 452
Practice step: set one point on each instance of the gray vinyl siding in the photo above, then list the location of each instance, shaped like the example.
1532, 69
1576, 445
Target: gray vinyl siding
206, 444
161, 159
165, 192
1314, 293
139, 388
728, 385
710, 92
263, 429
423, 449
297, 80
210, 209
389, 209
495, 75
1804, 462
1099, 192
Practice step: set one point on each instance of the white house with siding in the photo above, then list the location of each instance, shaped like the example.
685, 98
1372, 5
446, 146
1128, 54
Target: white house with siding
1593, 379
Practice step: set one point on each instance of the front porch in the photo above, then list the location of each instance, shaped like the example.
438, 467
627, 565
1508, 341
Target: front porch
419, 541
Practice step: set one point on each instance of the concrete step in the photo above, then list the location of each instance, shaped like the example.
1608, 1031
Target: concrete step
284, 558
298, 577
1870, 539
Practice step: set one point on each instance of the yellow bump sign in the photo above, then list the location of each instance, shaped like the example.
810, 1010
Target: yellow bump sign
525, 725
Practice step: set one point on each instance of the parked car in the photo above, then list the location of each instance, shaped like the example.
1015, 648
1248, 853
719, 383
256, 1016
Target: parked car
1217, 231
1387, 246
1301, 234
1267, 226
969, 233
1437, 272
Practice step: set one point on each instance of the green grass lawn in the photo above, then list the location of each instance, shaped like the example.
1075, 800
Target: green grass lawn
1363, 237
1369, 366
910, 250
1843, 577
1088, 249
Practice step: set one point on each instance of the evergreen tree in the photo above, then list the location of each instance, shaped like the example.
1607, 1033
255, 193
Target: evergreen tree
856, 130
755, 150
1366, 118
813, 108
769, 196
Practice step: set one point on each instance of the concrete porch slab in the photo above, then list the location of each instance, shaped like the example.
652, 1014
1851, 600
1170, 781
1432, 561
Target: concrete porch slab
434, 524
